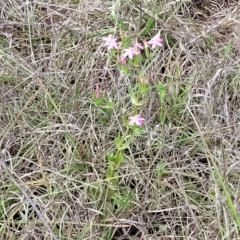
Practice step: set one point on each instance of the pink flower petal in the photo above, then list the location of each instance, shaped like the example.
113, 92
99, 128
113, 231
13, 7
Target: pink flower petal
139, 121
138, 45
156, 41
130, 52
121, 59
110, 42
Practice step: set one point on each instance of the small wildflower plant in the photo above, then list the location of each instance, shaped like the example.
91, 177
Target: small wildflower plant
128, 55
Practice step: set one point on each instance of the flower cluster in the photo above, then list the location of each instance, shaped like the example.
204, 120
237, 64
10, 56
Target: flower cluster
112, 43
128, 53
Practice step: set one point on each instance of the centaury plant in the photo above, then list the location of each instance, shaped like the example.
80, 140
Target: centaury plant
128, 55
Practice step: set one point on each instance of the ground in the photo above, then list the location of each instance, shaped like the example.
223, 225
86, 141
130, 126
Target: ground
71, 165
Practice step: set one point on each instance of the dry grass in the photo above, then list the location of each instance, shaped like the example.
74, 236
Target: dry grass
54, 139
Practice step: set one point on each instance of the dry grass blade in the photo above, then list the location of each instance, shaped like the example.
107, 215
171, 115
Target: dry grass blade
20, 186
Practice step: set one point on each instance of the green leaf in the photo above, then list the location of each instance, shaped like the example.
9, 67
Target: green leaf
228, 48
79, 167
126, 144
177, 71
107, 105
110, 157
134, 99
160, 170
148, 26
162, 91
119, 159
110, 171
122, 144
118, 140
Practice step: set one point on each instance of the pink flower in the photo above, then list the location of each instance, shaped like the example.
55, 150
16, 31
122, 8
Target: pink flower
139, 121
138, 46
121, 59
111, 42
97, 91
130, 52
156, 41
